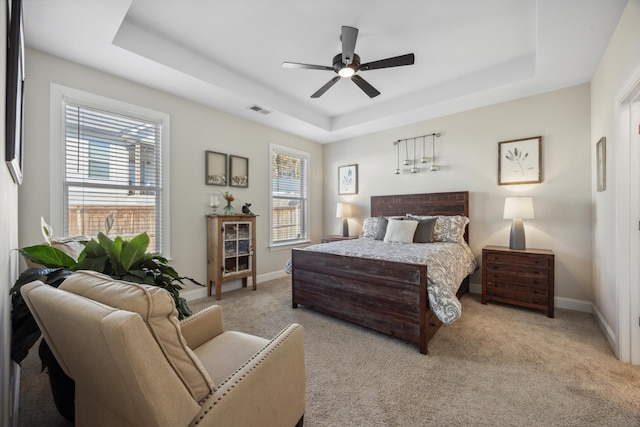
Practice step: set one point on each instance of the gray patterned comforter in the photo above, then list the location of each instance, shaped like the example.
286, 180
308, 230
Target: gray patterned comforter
448, 264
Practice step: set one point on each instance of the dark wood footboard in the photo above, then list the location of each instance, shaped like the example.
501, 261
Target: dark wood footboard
385, 296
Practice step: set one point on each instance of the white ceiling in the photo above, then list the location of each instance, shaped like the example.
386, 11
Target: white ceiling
228, 53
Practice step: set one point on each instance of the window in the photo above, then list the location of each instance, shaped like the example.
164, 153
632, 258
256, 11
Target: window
289, 195
111, 162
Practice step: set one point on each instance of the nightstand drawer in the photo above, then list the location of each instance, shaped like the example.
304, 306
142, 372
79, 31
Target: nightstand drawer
535, 277
521, 300
516, 259
533, 291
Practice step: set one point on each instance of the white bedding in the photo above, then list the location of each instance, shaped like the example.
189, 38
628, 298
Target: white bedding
448, 264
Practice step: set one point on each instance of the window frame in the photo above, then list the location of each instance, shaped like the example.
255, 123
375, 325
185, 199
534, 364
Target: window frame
59, 95
276, 148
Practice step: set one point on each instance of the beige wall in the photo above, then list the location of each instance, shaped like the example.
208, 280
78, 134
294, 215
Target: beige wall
619, 68
194, 129
468, 154
8, 242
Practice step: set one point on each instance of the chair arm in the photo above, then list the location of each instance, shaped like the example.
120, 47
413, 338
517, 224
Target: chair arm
202, 326
269, 389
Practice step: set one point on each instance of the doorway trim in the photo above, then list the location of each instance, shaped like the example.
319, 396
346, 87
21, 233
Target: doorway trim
628, 223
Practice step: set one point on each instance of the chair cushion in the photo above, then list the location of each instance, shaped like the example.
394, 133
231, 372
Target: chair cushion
157, 308
227, 352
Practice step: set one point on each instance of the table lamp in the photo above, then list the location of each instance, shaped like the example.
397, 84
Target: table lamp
517, 209
344, 211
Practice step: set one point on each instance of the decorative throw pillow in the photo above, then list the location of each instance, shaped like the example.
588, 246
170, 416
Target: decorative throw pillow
400, 231
369, 227
382, 228
450, 229
424, 231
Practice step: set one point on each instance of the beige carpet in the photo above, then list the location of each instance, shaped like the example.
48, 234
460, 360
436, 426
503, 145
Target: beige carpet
496, 366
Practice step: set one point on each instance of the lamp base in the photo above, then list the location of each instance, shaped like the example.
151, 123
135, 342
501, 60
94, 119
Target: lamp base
345, 227
517, 240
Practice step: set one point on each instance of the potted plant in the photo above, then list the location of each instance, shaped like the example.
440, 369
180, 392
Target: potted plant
122, 259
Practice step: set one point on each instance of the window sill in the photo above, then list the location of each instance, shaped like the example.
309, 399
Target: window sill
288, 245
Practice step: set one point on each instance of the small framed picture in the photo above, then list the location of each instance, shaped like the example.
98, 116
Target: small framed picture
520, 161
601, 158
238, 171
348, 179
215, 168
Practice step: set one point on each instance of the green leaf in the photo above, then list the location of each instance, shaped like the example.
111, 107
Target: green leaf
94, 263
93, 249
134, 250
48, 256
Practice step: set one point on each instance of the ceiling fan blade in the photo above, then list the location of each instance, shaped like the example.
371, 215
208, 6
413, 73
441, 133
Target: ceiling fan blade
306, 66
365, 86
326, 87
396, 61
348, 37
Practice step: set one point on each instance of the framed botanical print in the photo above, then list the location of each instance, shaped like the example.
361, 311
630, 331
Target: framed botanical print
520, 161
348, 180
14, 150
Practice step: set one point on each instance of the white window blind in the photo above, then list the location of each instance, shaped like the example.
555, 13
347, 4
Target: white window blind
289, 195
112, 165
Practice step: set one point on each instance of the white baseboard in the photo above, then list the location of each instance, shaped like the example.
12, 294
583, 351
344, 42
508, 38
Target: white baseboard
573, 304
201, 292
606, 330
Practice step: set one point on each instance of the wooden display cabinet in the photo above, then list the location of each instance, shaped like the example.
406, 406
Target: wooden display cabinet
231, 243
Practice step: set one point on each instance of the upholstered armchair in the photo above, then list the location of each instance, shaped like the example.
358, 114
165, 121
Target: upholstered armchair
135, 364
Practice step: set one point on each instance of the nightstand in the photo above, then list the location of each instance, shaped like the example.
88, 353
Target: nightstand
518, 277
335, 237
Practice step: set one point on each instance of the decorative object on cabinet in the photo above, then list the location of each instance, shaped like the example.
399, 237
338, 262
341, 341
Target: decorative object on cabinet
348, 179
601, 158
228, 210
411, 145
14, 152
216, 168
517, 209
230, 250
238, 171
214, 203
520, 161
246, 210
523, 278
343, 211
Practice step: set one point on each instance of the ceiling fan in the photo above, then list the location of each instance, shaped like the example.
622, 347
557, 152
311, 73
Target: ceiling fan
347, 64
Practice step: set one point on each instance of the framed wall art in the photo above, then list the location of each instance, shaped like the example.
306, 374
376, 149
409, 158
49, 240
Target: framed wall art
601, 160
14, 150
238, 171
348, 179
215, 168
520, 161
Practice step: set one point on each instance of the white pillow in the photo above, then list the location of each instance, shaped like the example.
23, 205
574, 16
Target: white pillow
400, 231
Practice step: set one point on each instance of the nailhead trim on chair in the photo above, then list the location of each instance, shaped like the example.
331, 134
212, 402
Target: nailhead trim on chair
244, 375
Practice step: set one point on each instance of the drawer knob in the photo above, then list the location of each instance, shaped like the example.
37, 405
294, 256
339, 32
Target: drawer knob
535, 301
535, 291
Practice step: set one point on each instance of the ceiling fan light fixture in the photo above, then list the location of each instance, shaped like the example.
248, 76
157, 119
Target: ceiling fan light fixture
346, 72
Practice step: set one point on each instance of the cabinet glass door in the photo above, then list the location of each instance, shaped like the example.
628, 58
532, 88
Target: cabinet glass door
237, 247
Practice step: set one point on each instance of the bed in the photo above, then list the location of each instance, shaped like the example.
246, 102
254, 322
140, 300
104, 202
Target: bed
384, 295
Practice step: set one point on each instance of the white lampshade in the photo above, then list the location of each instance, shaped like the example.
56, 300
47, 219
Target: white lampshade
518, 208
343, 210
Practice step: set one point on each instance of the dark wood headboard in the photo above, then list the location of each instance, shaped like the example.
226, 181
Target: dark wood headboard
428, 204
